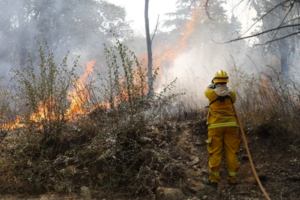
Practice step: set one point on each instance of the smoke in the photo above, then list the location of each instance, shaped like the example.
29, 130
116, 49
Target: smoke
78, 27
82, 26
3, 42
195, 67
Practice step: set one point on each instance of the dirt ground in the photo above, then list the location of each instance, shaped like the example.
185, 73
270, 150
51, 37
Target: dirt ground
276, 159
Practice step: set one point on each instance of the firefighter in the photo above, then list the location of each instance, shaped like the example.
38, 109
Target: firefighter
223, 129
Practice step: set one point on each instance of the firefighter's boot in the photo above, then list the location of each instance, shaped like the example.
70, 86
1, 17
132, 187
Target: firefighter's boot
232, 180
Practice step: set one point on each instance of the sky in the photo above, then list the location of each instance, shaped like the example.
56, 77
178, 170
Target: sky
135, 12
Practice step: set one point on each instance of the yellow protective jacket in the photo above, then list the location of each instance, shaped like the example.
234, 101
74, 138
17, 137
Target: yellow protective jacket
220, 114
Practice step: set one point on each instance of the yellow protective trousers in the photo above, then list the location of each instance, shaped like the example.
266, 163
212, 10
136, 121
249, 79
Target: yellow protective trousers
226, 138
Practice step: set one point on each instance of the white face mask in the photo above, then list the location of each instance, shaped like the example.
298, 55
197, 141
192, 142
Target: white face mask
222, 90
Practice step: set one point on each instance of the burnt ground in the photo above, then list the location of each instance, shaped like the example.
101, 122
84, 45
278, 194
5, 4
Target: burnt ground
275, 155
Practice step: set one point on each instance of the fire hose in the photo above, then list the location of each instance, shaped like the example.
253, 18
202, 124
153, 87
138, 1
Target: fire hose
249, 156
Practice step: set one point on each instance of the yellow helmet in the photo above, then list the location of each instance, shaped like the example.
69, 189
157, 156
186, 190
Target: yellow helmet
221, 77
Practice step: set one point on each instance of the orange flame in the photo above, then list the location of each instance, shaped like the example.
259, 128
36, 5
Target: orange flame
268, 91
77, 98
80, 95
174, 51
43, 112
13, 125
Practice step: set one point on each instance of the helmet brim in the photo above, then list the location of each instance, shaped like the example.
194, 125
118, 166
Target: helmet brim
220, 80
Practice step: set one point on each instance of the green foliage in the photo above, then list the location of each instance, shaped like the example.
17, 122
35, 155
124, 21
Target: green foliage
43, 89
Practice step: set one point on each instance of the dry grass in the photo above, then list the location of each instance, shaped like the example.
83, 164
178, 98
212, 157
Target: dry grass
269, 101
111, 147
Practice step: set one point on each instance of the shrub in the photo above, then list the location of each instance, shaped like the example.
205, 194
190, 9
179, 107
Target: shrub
41, 93
128, 155
111, 146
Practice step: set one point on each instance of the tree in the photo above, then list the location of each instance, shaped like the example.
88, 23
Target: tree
279, 30
69, 25
282, 41
207, 21
198, 27
286, 12
149, 50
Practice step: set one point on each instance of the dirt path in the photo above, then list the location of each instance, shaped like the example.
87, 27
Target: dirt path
276, 162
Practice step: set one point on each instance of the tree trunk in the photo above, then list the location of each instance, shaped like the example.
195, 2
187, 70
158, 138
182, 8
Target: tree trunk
284, 58
149, 51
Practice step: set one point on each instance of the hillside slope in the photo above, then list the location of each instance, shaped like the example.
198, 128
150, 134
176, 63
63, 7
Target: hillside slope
275, 156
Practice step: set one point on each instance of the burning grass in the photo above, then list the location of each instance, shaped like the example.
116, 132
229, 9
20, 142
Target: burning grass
269, 100
99, 137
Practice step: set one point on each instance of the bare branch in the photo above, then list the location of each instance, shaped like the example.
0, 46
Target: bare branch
263, 32
292, 5
277, 30
276, 39
156, 26
290, 21
206, 9
269, 11
205, 5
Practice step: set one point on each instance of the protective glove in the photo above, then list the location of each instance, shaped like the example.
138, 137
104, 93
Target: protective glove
212, 86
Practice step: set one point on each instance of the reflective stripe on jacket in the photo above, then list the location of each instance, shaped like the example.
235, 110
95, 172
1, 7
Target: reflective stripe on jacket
220, 114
